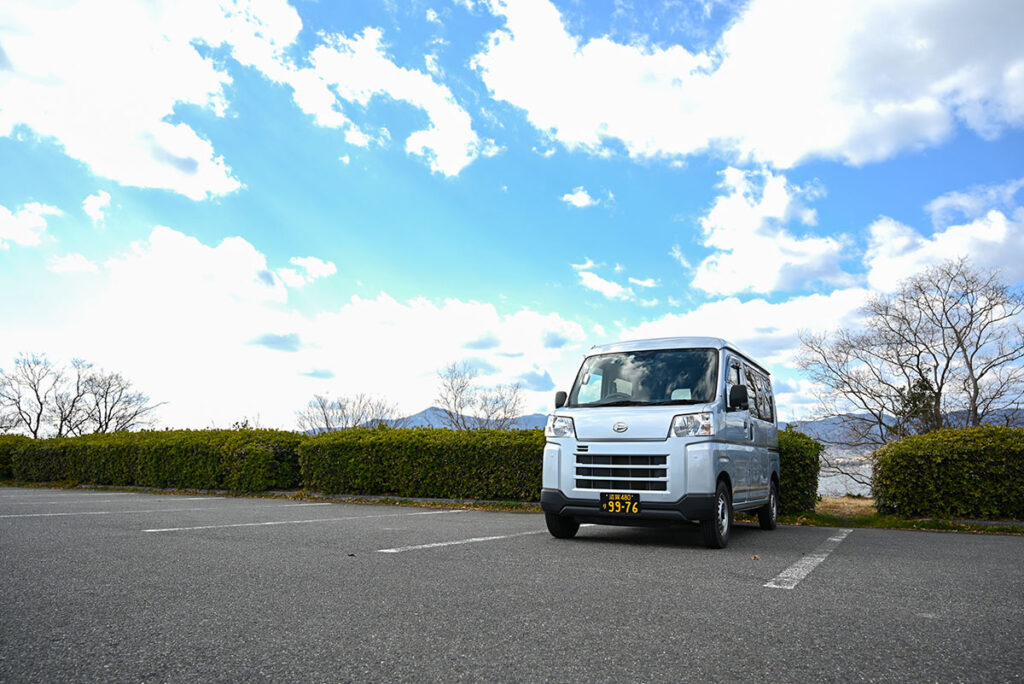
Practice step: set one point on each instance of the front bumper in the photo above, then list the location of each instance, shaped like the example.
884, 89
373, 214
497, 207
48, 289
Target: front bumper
691, 507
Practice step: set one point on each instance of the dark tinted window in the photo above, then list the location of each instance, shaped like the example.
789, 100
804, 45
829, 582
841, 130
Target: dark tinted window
761, 405
683, 376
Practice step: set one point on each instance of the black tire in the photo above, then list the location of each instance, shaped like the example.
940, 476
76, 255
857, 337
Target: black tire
768, 515
561, 526
716, 530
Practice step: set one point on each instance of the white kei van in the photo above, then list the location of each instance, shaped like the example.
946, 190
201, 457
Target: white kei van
663, 431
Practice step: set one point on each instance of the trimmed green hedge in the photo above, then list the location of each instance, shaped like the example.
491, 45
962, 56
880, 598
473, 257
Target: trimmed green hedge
799, 464
953, 473
420, 462
236, 460
426, 462
8, 443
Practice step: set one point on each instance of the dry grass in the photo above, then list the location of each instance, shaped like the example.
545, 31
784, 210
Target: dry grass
847, 507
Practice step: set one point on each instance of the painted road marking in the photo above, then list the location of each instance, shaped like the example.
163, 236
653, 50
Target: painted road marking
80, 501
791, 576
154, 510
47, 493
293, 522
435, 545
400, 549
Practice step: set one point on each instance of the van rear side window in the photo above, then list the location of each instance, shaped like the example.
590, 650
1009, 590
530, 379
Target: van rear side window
762, 405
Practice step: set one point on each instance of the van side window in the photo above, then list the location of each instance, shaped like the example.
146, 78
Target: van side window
752, 391
733, 378
769, 400
761, 405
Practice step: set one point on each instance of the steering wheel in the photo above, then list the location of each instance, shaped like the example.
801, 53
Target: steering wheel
616, 396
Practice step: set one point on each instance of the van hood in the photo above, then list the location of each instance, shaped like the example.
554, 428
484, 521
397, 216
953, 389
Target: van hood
641, 422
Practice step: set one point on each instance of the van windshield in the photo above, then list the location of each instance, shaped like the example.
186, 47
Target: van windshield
664, 376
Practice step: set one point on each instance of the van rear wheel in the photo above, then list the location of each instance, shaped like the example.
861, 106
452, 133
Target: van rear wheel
560, 526
768, 515
716, 530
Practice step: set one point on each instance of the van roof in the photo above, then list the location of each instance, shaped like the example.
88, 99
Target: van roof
673, 343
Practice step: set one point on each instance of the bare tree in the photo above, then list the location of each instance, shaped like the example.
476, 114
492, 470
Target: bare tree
945, 349
113, 405
45, 400
466, 406
323, 414
70, 415
28, 392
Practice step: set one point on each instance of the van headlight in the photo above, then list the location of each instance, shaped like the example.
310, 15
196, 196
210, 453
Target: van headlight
692, 425
559, 426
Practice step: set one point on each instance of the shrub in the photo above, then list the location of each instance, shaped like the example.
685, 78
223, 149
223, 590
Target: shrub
426, 462
798, 469
257, 460
953, 473
8, 445
237, 460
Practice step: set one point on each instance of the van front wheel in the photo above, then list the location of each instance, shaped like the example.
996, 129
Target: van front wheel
560, 526
716, 530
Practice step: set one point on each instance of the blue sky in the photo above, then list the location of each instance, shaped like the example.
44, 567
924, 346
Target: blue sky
239, 205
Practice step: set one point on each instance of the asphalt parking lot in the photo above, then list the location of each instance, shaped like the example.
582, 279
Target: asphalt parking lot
141, 587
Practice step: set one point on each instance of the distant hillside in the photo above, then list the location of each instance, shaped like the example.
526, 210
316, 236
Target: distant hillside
434, 417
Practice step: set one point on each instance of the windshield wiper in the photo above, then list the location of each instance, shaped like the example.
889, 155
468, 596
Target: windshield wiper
678, 402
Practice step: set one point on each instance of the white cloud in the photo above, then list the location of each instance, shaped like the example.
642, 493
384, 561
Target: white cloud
768, 331
25, 226
677, 254
609, 289
358, 69
754, 251
110, 105
345, 159
197, 308
579, 198
113, 106
72, 263
647, 303
313, 268
974, 202
587, 264
992, 240
432, 17
291, 277
95, 206
649, 282
858, 81
430, 61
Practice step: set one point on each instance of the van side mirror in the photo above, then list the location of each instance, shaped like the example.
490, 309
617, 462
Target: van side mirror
560, 398
738, 399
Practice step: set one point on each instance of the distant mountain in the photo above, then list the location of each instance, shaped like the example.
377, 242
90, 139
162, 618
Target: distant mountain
434, 417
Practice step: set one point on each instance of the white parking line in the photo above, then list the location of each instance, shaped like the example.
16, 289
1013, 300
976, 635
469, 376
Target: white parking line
435, 545
791, 576
154, 510
400, 549
79, 501
293, 522
72, 494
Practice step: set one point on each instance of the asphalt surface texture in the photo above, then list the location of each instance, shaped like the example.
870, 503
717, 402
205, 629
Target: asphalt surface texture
115, 586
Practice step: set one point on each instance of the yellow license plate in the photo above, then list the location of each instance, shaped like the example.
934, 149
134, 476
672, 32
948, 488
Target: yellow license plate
620, 504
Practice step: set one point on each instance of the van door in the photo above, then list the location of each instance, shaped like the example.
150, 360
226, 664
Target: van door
762, 420
735, 436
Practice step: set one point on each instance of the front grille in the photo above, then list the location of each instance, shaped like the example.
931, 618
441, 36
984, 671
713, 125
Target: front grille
630, 472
